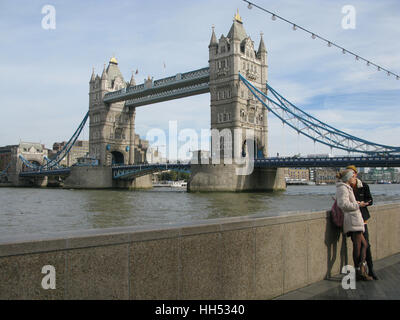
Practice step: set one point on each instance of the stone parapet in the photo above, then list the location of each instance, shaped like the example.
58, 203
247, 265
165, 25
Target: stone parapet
252, 257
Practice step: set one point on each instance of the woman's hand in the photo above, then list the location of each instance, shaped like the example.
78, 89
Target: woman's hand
362, 204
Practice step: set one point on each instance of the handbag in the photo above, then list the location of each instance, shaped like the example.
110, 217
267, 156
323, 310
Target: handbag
337, 215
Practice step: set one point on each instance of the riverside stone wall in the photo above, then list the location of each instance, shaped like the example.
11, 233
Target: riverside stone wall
230, 258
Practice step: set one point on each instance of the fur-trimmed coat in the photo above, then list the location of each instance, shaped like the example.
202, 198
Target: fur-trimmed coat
346, 201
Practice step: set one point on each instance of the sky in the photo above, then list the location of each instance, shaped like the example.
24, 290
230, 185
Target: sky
44, 73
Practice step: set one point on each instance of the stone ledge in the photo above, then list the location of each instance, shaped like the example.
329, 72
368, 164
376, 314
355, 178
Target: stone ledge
48, 242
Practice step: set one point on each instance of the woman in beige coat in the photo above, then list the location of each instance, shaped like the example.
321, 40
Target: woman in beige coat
353, 223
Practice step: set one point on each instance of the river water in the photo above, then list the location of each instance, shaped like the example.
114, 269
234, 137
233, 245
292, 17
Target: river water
37, 211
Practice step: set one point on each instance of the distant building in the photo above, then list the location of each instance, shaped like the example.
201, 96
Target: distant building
297, 174
325, 175
153, 155
78, 150
32, 151
6, 155
141, 146
320, 155
380, 175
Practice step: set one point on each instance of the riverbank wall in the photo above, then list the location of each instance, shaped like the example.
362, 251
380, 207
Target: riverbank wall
230, 258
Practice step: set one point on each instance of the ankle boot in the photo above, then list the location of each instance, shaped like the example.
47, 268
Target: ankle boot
358, 275
363, 272
372, 274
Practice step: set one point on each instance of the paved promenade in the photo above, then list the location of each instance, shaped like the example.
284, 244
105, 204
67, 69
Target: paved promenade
386, 288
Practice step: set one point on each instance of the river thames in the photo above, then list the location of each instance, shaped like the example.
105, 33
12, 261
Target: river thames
27, 211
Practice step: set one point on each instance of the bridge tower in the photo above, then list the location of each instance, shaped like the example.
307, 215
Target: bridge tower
111, 127
234, 114
112, 138
233, 107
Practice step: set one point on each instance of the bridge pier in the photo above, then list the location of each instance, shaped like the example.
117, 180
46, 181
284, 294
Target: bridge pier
224, 178
89, 178
30, 182
143, 182
101, 178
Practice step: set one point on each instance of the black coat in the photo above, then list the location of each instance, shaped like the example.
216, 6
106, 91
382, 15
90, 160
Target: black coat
363, 194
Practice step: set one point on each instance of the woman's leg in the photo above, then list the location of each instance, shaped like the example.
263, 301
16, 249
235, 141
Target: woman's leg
359, 253
356, 239
363, 250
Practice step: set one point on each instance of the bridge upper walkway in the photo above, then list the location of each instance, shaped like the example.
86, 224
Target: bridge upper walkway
174, 87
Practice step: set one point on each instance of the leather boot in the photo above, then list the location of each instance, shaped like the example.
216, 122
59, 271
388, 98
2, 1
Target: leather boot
363, 272
358, 275
372, 274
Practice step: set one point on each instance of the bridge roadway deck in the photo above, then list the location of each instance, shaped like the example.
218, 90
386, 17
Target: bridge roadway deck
126, 171
386, 288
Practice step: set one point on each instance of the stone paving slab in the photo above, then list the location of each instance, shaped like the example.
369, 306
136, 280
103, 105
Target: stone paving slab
386, 288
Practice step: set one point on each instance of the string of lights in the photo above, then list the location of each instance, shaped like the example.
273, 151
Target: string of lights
295, 26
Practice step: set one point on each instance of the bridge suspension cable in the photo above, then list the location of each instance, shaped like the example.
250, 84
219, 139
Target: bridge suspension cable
4, 172
60, 155
313, 128
329, 43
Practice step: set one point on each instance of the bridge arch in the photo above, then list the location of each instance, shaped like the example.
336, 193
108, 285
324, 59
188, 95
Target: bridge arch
34, 162
117, 157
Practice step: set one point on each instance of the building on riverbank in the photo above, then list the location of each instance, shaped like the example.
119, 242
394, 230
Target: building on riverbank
297, 174
78, 150
381, 175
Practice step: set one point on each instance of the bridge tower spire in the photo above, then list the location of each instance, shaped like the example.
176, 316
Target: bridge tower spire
233, 107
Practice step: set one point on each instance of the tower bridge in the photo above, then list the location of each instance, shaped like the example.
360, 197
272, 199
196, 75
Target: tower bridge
240, 101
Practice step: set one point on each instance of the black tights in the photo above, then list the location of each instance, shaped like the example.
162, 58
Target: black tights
359, 248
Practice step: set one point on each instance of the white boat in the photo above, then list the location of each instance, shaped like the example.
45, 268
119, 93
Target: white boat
179, 184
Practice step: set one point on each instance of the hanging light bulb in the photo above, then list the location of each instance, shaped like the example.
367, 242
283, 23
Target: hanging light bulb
313, 36
397, 78
357, 58
329, 44
367, 63
294, 27
388, 74
344, 51
273, 17
379, 68
249, 6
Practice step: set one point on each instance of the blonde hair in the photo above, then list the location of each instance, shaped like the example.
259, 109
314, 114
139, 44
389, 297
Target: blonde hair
345, 175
